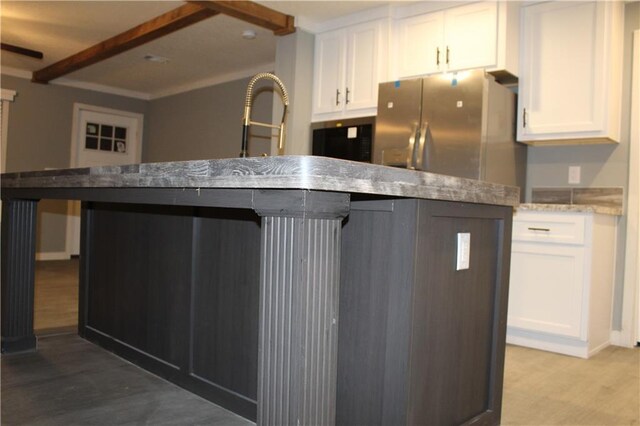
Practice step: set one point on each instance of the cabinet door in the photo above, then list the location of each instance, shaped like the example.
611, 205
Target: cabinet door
328, 90
546, 288
363, 59
562, 69
418, 45
471, 36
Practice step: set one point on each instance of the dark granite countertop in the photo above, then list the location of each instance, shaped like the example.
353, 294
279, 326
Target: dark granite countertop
282, 172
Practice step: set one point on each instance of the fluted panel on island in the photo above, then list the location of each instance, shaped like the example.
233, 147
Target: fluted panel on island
18, 263
298, 321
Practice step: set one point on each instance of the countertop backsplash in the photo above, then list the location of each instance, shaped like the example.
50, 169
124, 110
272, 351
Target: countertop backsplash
606, 200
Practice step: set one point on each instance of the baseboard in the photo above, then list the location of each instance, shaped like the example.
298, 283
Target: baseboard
53, 255
622, 338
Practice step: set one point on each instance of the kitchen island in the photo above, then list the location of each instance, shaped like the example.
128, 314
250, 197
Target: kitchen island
291, 290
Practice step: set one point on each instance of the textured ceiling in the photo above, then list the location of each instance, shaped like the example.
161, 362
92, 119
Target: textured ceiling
205, 53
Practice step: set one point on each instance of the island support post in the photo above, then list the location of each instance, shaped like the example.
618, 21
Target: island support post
18, 273
299, 292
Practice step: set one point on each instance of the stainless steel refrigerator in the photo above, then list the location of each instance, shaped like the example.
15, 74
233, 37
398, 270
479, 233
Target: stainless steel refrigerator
457, 124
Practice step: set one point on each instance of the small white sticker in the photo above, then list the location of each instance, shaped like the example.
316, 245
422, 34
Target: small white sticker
459, 104
389, 105
352, 132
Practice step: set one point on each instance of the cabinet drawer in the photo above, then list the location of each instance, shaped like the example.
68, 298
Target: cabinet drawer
549, 228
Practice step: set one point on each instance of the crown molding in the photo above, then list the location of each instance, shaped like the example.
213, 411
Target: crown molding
175, 90
15, 72
101, 88
7, 95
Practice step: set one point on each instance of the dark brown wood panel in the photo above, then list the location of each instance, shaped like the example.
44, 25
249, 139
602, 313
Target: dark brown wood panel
421, 343
225, 299
254, 13
375, 306
21, 50
453, 320
140, 277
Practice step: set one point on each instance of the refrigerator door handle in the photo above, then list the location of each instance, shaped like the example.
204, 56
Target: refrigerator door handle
423, 138
416, 142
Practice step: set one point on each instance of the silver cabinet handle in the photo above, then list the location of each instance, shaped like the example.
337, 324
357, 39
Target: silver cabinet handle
438, 56
447, 55
347, 101
539, 229
337, 97
524, 117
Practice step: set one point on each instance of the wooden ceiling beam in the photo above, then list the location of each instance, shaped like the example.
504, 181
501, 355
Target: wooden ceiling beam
254, 13
157, 27
21, 50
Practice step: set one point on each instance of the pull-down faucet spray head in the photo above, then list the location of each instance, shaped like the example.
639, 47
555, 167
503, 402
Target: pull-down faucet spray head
246, 120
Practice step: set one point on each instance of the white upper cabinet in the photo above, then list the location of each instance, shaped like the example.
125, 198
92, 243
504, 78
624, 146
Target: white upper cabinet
478, 35
570, 81
471, 36
418, 45
348, 67
330, 51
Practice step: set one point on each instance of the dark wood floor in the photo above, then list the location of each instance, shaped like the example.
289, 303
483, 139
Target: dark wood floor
72, 382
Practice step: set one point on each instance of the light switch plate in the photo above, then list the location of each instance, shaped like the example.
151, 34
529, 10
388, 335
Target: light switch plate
464, 249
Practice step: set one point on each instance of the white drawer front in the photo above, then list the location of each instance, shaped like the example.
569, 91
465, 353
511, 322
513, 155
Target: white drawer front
561, 228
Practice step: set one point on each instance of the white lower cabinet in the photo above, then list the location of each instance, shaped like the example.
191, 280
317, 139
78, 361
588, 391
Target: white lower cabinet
562, 274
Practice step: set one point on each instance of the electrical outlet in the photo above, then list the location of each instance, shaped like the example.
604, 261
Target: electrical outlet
574, 174
464, 249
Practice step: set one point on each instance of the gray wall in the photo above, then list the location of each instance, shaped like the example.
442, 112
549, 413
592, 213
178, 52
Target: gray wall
39, 136
294, 65
206, 123
602, 165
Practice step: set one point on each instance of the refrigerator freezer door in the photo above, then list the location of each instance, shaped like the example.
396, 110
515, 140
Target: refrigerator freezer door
452, 114
397, 123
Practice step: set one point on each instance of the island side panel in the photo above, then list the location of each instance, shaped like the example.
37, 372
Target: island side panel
459, 316
299, 296
375, 311
18, 272
421, 343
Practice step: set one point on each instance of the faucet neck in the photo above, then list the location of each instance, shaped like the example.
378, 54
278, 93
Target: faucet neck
246, 120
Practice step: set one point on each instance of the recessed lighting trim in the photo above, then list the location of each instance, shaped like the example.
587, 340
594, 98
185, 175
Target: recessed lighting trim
249, 34
155, 58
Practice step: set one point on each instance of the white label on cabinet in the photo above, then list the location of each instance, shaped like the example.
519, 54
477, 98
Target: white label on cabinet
464, 248
352, 132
